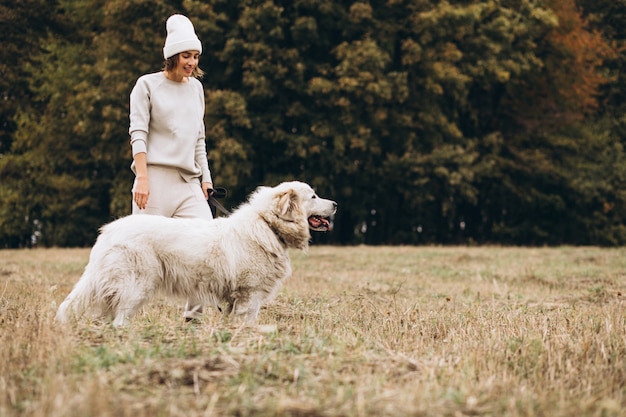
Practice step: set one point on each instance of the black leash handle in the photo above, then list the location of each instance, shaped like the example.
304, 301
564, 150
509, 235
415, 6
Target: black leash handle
214, 194
218, 192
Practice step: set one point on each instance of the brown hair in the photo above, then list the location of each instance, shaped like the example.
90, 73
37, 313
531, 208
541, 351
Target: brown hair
170, 63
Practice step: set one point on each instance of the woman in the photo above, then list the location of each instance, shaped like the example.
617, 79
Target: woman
167, 135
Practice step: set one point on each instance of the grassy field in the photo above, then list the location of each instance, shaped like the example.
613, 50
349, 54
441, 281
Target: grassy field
357, 331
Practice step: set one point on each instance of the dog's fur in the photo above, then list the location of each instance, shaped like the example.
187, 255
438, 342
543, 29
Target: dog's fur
240, 260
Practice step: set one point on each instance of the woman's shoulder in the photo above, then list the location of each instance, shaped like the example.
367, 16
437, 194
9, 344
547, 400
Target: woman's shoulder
151, 78
149, 82
195, 82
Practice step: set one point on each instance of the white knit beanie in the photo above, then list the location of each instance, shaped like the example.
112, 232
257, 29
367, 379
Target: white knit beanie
181, 36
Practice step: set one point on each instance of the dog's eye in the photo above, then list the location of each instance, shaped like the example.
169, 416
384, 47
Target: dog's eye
314, 196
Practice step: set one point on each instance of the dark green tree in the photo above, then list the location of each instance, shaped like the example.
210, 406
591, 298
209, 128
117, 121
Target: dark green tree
24, 25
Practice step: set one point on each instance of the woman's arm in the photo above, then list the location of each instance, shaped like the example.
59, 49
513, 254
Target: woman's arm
141, 190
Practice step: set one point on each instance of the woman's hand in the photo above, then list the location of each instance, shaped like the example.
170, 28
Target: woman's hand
207, 189
141, 191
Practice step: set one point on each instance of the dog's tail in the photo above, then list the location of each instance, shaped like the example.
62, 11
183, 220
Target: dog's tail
79, 299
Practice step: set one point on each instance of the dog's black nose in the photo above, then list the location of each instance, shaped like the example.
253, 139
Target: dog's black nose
334, 205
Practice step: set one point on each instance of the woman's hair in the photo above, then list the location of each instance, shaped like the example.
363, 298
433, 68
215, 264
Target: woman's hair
171, 63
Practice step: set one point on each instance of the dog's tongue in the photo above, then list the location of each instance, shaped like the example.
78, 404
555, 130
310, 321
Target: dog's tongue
317, 222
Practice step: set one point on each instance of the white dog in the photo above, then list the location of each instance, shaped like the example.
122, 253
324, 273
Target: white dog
240, 260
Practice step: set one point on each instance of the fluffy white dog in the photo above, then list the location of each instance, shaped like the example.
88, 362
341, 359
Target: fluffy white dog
240, 260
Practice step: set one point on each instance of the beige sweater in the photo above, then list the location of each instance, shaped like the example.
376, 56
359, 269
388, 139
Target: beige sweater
167, 122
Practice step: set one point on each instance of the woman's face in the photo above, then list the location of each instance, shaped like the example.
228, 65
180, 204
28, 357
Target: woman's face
187, 62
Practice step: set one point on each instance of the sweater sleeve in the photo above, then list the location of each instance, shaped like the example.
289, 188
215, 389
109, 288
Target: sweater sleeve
201, 152
139, 116
202, 160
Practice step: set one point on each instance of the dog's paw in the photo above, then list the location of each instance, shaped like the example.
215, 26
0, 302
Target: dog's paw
192, 320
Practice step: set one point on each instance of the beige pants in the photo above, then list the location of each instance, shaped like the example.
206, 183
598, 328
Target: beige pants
172, 196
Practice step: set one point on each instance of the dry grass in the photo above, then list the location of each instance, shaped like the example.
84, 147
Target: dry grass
357, 331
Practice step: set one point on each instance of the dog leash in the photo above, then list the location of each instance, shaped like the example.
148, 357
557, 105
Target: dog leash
218, 192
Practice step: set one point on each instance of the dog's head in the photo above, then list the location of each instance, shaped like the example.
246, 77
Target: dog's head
295, 209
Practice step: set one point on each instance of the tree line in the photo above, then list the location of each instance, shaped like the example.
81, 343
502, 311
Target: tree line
462, 121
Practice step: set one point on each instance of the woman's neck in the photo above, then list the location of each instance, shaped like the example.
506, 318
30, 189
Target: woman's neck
173, 76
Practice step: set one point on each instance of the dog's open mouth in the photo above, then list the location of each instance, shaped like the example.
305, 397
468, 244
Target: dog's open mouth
319, 224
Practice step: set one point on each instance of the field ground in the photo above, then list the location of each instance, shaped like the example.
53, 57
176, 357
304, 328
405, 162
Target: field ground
357, 331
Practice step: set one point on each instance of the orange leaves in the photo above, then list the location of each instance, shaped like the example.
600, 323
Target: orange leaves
576, 56
565, 89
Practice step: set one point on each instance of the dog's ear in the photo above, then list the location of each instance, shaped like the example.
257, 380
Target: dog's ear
288, 205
